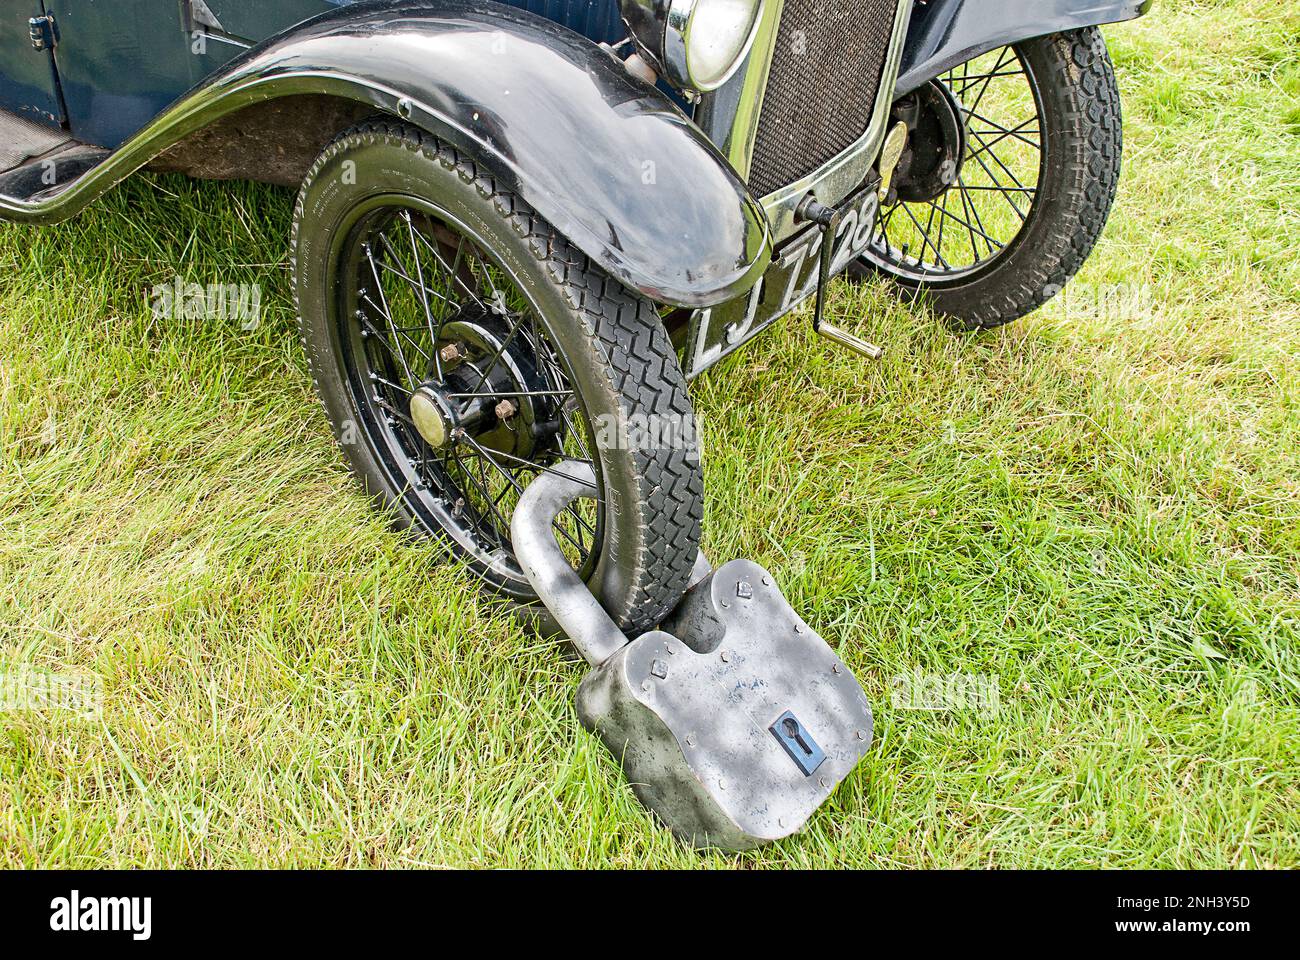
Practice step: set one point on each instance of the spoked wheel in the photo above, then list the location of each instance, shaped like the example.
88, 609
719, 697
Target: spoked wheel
1012, 165
460, 390
462, 349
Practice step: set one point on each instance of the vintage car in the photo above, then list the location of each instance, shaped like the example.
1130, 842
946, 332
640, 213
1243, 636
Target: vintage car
523, 226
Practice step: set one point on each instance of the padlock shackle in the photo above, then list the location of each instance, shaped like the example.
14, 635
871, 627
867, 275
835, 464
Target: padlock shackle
592, 630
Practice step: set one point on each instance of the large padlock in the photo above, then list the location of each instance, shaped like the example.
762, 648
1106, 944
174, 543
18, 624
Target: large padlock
735, 721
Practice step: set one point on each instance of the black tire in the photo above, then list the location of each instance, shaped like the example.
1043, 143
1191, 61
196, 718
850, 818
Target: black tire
1079, 119
607, 341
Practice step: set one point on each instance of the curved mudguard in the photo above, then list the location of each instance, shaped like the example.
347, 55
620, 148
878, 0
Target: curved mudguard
944, 33
607, 159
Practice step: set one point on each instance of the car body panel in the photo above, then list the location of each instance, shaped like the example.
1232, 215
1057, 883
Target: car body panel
597, 20
122, 62
606, 158
27, 80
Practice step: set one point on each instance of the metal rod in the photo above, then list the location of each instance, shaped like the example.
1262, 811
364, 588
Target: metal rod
829, 220
849, 341
532, 532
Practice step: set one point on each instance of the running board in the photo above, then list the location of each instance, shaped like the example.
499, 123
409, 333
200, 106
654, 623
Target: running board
37, 184
22, 139
38, 165
735, 721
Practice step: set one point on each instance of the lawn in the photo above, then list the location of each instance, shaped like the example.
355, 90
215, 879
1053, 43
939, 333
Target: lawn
1097, 510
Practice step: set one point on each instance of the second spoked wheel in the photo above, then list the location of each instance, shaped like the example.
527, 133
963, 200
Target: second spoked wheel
1012, 166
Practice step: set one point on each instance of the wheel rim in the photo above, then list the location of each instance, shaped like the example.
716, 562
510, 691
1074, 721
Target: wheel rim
463, 395
979, 218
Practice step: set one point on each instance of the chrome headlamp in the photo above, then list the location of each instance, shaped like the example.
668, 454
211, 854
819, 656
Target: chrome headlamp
696, 44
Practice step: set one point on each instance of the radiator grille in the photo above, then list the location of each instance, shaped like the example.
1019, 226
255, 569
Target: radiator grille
822, 86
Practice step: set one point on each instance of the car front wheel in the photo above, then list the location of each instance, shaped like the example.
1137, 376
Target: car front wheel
461, 348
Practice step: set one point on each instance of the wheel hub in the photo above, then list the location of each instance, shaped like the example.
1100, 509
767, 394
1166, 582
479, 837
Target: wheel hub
936, 142
484, 385
433, 415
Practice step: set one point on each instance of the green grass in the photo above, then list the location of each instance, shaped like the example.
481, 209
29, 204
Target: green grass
1098, 507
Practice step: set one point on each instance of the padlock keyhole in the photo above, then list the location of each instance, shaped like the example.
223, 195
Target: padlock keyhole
798, 743
793, 731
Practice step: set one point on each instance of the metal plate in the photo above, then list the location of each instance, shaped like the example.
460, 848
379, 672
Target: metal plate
788, 282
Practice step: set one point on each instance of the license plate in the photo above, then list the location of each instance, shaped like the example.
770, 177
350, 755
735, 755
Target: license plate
788, 282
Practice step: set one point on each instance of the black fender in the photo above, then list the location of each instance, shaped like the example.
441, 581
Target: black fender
944, 33
606, 158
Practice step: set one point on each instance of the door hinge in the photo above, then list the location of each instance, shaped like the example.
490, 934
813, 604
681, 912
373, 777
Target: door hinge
45, 36
197, 16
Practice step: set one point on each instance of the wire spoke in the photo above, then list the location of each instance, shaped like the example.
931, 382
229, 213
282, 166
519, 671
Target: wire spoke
487, 367
389, 383
510, 393
401, 354
1029, 190
952, 216
527, 463
417, 285
970, 229
985, 87
925, 236
1003, 135
1000, 188
997, 96
400, 414
976, 227
399, 333
975, 212
451, 274
943, 209
484, 455
415, 274
424, 296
